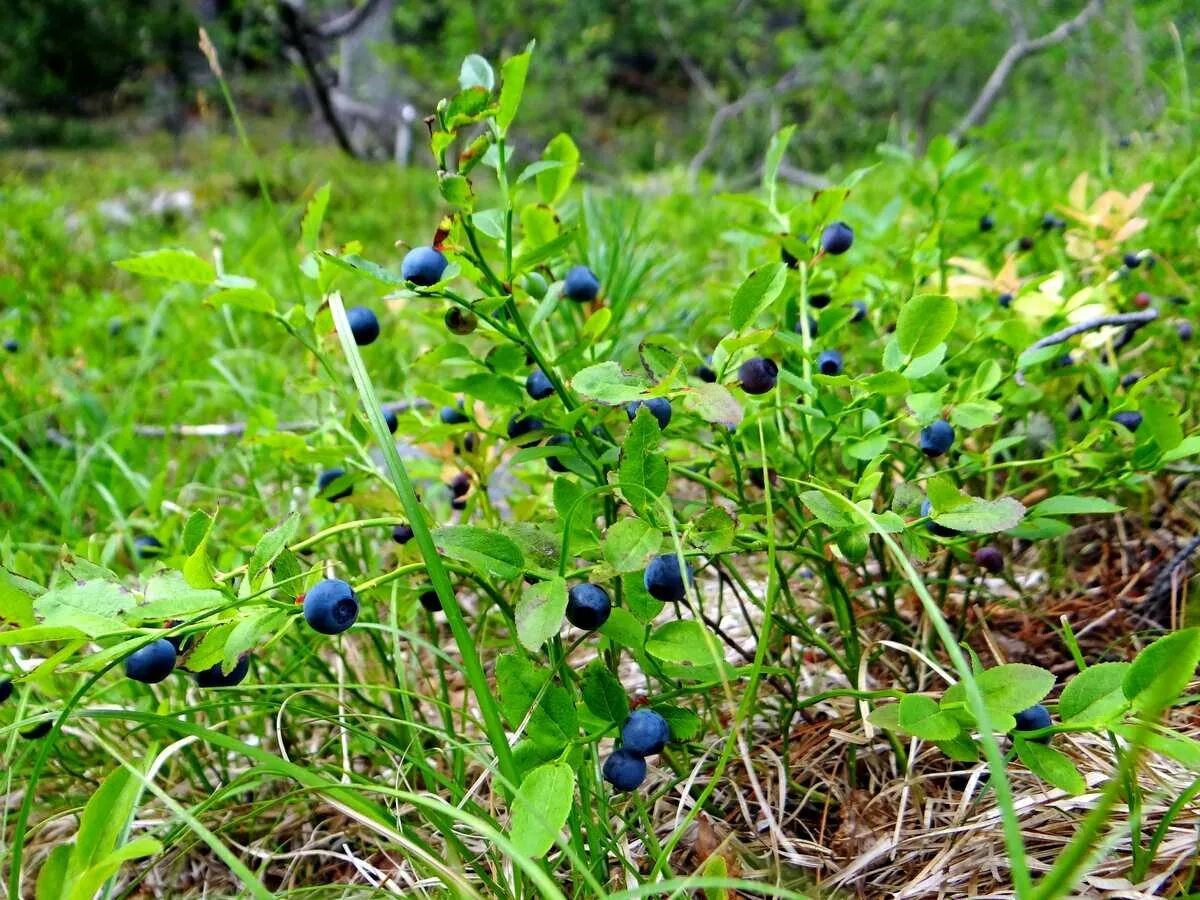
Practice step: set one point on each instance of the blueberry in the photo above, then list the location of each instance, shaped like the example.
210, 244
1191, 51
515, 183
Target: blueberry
330, 606
986, 222
535, 285
704, 371
1132, 260
460, 321
114, 327
363, 325
1051, 222
588, 606
936, 439
934, 527
40, 730
830, 362
1130, 419
756, 477
460, 485
837, 238
645, 732
1184, 330
11, 345
470, 442
1005, 300
402, 534
430, 600
660, 408
663, 580
581, 284
538, 386
453, 416
328, 477
390, 420
819, 301
213, 677
423, 266
813, 329
758, 375
553, 462
1025, 243
990, 558
625, 771
6, 689
147, 546
519, 426
152, 663
459, 503
788, 259
860, 310
1128, 381
1033, 719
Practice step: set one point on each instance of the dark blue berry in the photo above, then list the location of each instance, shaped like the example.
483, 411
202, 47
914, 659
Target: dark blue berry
390, 419
538, 385
990, 558
40, 730
213, 677
758, 375
363, 325
660, 408
553, 462
830, 363
1034, 719
430, 600
936, 439
986, 222
1005, 300
813, 327
1130, 419
934, 527
625, 771
328, 477
519, 426
860, 310
453, 416
581, 284
837, 238
663, 580
1132, 260
588, 606
402, 534
330, 606
6, 689
423, 266
1184, 330
147, 546
152, 663
645, 732
819, 301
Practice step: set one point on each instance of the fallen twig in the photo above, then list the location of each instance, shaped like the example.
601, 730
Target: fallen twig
237, 429
1133, 321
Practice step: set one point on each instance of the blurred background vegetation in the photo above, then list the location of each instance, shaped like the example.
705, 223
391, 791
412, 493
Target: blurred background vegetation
643, 84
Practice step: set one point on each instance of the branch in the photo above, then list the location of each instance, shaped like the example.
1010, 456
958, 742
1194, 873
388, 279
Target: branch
344, 23
295, 27
792, 78
237, 429
699, 79
803, 177
1131, 321
1019, 50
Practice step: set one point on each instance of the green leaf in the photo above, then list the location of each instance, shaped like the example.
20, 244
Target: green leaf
197, 569
1161, 672
1181, 748
921, 717
757, 292
714, 531
825, 510
16, 602
886, 717
629, 542
52, 881
685, 725
1160, 417
621, 628
196, 530
271, 544
1050, 765
975, 414
686, 642
540, 611
1006, 689
924, 322
174, 265
314, 215
981, 516
39, 634
247, 633
254, 299
643, 470
603, 693
775, 151
1071, 505
169, 596
87, 884
489, 551
1094, 696
512, 87
714, 403
476, 72
94, 607
553, 184
541, 807
606, 383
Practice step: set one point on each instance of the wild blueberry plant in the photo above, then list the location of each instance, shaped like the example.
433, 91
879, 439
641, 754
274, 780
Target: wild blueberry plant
813, 438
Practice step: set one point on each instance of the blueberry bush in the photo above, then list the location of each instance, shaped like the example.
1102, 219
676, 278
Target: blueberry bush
567, 527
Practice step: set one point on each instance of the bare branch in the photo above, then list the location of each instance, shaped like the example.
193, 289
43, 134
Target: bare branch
1131, 321
344, 23
295, 29
699, 79
237, 429
1019, 50
803, 177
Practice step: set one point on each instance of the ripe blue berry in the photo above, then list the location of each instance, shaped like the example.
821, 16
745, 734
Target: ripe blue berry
519, 426
402, 534
460, 485
704, 371
1005, 300
11, 345
934, 527
936, 439
990, 558
1132, 260
328, 477
660, 408
625, 771
1184, 330
663, 580
819, 301
645, 732
553, 462
423, 266
581, 284
758, 375
147, 546
588, 606
40, 730
538, 386
390, 419
363, 325
453, 416
830, 362
152, 663
1033, 719
213, 677
1130, 419
813, 327
1051, 222
6, 689
331, 606
837, 238
430, 600
860, 310
986, 222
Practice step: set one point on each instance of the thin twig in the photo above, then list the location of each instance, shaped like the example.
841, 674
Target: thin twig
237, 429
1132, 321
